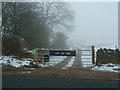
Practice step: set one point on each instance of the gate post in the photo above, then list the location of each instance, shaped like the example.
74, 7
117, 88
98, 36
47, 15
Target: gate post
93, 55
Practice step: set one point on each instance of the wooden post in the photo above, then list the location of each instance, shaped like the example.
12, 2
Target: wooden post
93, 55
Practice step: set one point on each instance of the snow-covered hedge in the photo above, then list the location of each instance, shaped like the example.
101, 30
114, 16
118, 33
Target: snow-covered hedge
10, 60
22, 62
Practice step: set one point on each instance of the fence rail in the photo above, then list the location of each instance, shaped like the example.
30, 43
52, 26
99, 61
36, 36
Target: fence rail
83, 53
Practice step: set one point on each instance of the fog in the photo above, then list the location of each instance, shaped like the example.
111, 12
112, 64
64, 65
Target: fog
96, 23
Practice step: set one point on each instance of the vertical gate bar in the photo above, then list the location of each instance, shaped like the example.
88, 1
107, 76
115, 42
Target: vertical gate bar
93, 55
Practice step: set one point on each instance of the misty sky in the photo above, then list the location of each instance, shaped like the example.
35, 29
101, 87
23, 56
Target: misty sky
96, 23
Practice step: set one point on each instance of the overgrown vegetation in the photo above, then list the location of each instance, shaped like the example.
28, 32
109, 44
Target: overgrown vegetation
33, 25
11, 45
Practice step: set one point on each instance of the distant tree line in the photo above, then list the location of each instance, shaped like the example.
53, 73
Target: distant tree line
34, 25
105, 56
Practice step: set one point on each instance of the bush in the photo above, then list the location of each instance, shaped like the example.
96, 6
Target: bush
11, 45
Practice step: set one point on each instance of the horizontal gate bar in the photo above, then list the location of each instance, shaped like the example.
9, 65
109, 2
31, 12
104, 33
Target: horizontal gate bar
87, 58
40, 49
86, 55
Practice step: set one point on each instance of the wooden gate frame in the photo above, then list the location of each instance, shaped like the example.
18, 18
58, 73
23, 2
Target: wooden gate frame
35, 57
92, 52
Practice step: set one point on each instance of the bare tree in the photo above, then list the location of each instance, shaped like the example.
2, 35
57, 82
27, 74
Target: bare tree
57, 16
36, 22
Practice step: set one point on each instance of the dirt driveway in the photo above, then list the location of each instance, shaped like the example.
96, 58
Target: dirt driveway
68, 73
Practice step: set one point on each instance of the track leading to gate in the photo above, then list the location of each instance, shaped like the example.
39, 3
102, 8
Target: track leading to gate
63, 63
77, 62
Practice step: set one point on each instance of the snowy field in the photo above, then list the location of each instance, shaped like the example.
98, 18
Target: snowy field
56, 59
87, 62
10, 60
86, 57
69, 63
107, 67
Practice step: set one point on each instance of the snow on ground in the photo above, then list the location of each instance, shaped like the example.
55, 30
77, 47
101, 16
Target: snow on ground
10, 60
26, 72
107, 67
44, 65
56, 59
69, 63
87, 62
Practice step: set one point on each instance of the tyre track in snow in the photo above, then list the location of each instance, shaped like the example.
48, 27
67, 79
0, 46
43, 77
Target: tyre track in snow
63, 63
77, 61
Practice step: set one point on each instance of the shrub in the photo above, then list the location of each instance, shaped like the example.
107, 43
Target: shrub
11, 45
